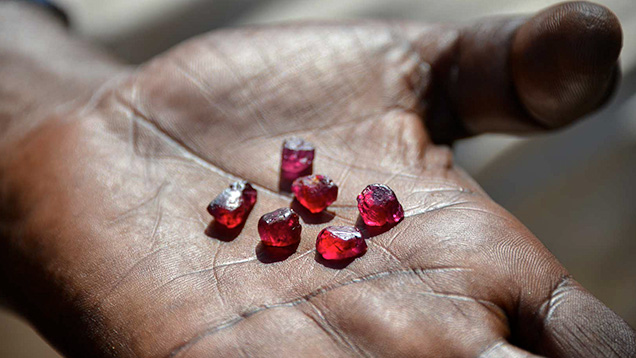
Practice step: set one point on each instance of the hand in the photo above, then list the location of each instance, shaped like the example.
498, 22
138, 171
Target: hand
106, 172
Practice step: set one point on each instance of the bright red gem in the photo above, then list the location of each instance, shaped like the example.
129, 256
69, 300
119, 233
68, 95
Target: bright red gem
340, 242
315, 192
233, 205
298, 155
378, 205
280, 228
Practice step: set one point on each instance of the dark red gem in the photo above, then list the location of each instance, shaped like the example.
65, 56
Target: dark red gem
298, 155
315, 192
340, 242
378, 205
280, 228
233, 205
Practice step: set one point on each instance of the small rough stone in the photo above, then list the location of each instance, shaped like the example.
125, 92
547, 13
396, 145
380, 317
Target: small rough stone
233, 205
340, 242
378, 205
298, 155
315, 192
281, 227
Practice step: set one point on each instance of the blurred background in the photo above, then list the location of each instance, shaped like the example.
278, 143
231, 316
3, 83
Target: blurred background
575, 189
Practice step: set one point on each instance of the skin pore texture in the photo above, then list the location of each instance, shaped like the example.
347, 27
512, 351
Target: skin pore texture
106, 171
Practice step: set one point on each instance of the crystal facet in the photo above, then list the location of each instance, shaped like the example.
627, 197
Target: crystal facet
378, 205
233, 205
280, 228
340, 242
298, 155
315, 192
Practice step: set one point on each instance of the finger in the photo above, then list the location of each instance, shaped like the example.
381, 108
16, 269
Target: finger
570, 322
525, 75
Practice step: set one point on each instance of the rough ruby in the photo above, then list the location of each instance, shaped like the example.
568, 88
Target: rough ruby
340, 242
298, 155
280, 228
233, 205
315, 192
378, 205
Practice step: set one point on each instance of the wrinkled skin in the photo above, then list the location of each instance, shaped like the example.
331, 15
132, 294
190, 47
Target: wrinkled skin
106, 172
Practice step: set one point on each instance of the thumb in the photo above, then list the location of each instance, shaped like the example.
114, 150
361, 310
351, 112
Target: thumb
564, 61
517, 75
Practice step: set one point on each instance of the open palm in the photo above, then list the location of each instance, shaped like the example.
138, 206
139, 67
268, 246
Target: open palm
118, 185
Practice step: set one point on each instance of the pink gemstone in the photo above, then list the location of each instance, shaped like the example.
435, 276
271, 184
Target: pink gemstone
340, 242
280, 228
378, 205
298, 155
315, 192
233, 205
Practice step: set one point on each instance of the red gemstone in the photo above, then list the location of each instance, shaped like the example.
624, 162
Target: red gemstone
315, 192
378, 205
280, 228
298, 155
233, 205
340, 242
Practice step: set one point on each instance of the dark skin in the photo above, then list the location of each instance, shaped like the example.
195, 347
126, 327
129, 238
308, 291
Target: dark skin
106, 171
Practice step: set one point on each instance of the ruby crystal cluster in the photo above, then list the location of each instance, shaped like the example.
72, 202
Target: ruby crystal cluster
315, 192
340, 243
280, 228
233, 205
378, 206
